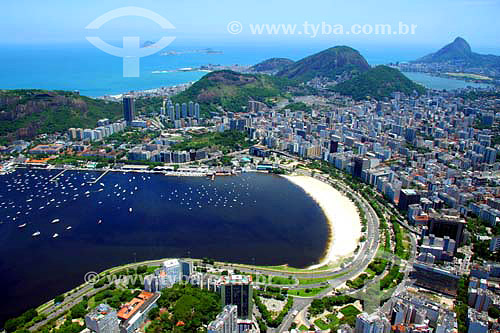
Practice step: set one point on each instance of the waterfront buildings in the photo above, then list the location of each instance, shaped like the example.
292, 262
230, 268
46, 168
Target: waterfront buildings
171, 272
133, 314
226, 321
103, 319
49, 149
237, 290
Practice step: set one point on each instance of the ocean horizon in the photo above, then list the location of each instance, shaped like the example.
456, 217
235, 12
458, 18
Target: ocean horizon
81, 67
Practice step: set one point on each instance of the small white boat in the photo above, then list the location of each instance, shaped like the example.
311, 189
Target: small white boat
36, 234
99, 222
55, 221
55, 235
68, 228
130, 210
22, 225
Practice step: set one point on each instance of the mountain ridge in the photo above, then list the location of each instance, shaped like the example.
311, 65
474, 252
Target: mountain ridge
459, 51
330, 63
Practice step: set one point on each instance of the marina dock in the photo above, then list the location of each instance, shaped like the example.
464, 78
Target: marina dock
53, 179
99, 178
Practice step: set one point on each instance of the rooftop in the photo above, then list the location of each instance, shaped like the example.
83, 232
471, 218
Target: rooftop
236, 279
129, 309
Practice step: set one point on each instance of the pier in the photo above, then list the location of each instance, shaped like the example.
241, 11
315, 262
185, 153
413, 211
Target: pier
99, 178
53, 179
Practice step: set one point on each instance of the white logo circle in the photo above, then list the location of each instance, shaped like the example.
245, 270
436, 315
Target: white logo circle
235, 27
91, 277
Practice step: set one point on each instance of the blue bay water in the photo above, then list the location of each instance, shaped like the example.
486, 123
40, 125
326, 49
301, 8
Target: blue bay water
246, 218
94, 73
440, 83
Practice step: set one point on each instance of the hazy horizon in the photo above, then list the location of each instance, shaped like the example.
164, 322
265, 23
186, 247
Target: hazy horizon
205, 23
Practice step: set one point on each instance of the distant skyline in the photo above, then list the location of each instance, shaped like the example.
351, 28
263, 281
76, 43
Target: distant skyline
204, 22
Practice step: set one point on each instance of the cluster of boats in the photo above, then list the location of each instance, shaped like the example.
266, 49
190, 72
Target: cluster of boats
38, 233
33, 195
225, 195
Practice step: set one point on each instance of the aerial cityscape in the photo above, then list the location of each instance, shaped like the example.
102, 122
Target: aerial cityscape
226, 172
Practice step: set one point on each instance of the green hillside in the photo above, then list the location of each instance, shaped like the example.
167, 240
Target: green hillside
271, 65
27, 113
330, 63
230, 90
378, 83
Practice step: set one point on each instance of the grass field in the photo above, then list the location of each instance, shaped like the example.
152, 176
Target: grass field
306, 281
282, 280
309, 292
350, 310
321, 324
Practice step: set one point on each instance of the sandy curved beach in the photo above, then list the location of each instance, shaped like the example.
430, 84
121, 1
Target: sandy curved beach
342, 216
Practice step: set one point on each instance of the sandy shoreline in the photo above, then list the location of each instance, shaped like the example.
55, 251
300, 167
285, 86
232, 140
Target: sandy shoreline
341, 214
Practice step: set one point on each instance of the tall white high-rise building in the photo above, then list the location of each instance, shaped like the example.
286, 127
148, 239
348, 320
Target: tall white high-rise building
226, 321
366, 323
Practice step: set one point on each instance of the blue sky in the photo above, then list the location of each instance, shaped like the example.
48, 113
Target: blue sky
205, 21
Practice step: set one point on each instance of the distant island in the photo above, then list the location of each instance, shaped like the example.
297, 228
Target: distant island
200, 51
206, 68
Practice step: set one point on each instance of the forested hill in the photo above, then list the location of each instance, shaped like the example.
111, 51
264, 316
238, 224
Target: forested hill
330, 63
27, 113
230, 90
378, 83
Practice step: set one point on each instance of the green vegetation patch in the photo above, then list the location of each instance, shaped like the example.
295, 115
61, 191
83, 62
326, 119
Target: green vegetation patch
188, 309
50, 112
378, 83
227, 141
308, 292
350, 310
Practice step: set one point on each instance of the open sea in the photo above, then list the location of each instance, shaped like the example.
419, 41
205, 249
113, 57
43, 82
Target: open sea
131, 217
94, 73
